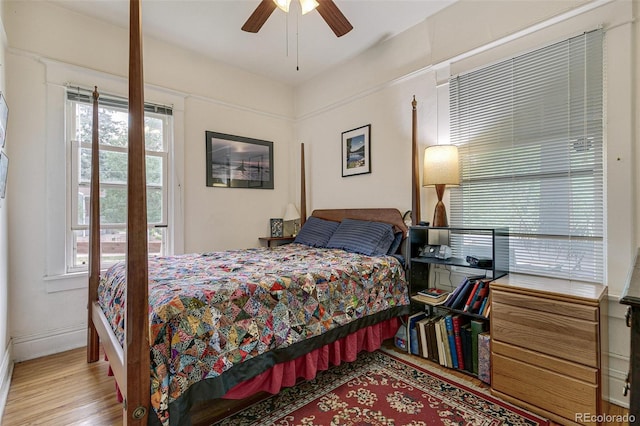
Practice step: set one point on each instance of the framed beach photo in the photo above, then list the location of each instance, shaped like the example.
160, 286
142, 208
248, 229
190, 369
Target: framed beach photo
356, 151
4, 117
238, 162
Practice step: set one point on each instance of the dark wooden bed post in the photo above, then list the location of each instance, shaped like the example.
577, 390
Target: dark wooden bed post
415, 166
93, 340
303, 189
136, 348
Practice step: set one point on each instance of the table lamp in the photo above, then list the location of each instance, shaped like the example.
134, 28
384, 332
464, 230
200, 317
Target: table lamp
291, 214
441, 168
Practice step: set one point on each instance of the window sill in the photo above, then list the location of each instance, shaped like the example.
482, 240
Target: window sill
66, 282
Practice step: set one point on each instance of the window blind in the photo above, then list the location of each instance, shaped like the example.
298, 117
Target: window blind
530, 137
80, 94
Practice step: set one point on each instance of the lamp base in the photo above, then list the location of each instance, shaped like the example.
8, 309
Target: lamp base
440, 216
440, 213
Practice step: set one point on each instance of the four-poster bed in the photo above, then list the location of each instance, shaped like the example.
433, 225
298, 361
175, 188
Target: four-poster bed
158, 383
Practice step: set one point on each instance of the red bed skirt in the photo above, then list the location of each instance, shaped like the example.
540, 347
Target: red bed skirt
306, 366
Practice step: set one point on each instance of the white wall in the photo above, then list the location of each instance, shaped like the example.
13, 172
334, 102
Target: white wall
49, 46
460, 38
5, 340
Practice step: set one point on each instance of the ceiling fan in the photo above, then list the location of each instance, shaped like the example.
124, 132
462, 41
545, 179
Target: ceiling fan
326, 8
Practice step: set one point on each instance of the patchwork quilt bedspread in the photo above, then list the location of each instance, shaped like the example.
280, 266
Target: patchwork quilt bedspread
211, 311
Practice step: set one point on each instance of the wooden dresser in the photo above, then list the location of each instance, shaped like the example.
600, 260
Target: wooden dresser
545, 345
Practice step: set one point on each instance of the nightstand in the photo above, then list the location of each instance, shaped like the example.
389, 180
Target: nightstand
276, 241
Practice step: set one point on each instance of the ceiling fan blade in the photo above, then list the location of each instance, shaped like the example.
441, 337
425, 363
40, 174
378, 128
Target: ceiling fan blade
333, 17
259, 16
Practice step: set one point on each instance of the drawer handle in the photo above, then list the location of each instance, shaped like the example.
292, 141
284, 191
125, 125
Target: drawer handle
628, 316
627, 386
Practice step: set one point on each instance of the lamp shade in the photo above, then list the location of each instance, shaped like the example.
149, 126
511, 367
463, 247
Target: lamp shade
308, 5
305, 5
441, 165
283, 4
291, 213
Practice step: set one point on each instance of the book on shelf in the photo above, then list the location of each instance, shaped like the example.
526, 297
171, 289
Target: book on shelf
483, 304
412, 333
455, 294
435, 295
423, 347
457, 322
484, 357
472, 295
487, 307
431, 339
477, 326
465, 335
428, 300
451, 340
480, 300
462, 292
442, 357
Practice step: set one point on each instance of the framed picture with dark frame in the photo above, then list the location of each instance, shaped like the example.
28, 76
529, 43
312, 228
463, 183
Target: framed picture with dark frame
238, 162
277, 227
4, 118
356, 151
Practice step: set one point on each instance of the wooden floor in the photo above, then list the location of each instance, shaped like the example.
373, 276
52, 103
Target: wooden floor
63, 389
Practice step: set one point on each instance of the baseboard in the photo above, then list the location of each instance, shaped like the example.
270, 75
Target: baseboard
48, 342
6, 369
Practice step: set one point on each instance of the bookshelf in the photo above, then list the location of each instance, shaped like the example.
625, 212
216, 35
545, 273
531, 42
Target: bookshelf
489, 244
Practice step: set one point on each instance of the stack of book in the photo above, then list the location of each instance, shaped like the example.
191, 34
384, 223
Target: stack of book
472, 296
452, 340
431, 296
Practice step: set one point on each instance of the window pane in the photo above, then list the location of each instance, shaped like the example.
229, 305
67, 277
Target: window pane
154, 170
154, 205
113, 205
113, 245
113, 125
113, 167
154, 133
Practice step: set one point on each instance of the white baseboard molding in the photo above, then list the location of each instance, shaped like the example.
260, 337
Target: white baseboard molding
48, 342
6, 370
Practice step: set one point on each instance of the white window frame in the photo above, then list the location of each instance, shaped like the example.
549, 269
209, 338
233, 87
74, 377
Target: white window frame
73, 170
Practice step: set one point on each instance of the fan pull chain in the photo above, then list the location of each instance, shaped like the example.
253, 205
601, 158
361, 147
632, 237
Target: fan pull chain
297, 44
286, 32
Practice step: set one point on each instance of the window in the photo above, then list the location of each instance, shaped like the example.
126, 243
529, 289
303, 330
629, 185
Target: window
530, 137
113, 126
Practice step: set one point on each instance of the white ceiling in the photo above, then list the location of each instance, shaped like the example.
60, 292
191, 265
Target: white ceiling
212, 28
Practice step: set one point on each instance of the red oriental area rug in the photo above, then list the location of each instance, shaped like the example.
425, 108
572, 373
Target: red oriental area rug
381, 389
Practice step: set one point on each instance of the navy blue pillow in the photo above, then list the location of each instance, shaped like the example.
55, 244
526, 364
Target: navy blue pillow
359, 236
395, 245
316, 232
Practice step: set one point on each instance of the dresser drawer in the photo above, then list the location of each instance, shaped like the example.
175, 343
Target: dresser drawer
573, 310
553, 364
548, 390
547, 333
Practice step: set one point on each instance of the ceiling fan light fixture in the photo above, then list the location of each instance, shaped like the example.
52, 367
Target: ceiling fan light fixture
308, 5
283, 4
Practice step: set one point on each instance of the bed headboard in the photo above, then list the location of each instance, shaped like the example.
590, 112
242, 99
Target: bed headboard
386, 215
